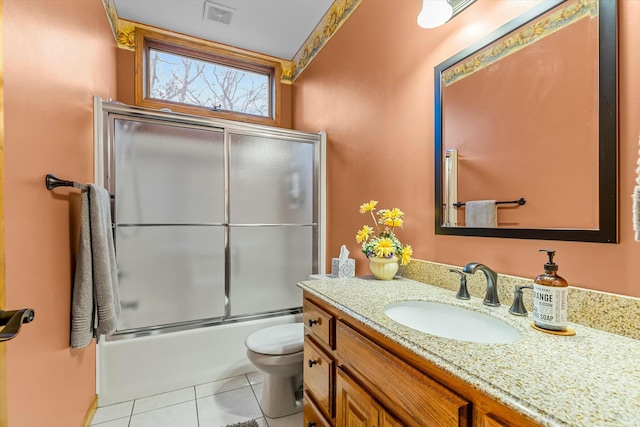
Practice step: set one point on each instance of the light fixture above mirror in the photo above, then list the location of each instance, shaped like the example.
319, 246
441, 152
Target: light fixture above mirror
438, 12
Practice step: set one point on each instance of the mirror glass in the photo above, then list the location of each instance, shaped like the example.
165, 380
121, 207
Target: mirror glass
526, 128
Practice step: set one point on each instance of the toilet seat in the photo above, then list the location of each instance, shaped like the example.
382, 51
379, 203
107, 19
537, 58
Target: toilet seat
277, 340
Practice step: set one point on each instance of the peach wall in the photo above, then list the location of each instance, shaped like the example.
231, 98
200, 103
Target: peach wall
126, 76
57, 56
371, 89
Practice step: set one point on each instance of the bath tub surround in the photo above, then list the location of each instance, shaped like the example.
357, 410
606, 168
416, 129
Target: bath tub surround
134, 368
508, 374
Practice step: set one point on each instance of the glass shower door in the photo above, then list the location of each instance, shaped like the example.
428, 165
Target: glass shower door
169, 213
271, 222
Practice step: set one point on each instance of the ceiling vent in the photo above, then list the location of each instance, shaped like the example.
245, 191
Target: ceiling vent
217, 13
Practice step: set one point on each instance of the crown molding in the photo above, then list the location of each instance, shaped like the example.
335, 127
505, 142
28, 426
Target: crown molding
330, 23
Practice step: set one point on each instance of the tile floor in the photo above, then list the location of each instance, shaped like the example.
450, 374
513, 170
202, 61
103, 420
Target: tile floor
215, 404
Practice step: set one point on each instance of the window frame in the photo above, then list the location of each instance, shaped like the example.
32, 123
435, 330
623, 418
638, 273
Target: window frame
209, 52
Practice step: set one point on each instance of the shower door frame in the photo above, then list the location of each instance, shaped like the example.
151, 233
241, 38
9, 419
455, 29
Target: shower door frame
105, 115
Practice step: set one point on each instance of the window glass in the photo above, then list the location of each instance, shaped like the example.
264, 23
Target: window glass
219, 87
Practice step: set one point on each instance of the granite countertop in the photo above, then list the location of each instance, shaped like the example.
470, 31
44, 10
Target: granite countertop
590, 379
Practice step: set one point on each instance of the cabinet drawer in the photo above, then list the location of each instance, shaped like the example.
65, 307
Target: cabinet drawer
319, 323
416, 399
312, 415
318, 377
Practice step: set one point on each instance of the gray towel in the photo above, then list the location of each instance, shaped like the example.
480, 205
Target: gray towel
481, 213
95, 305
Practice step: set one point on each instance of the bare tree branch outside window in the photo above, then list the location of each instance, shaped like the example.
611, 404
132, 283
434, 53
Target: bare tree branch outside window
190, 81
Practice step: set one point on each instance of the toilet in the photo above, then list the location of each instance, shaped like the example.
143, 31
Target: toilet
278, 351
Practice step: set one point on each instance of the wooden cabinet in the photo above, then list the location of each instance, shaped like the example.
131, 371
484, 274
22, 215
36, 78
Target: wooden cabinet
356, 408
487, 420
355, 376
398, 385
319, 365
313, 417
319, 323
318, 376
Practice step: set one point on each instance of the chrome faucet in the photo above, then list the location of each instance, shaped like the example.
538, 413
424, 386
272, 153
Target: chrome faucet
491, 298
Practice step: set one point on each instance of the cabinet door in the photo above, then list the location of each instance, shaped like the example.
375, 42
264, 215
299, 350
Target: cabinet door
355, 407
388, 421
413, 397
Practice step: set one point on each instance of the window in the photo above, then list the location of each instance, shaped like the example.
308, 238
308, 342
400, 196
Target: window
199, 78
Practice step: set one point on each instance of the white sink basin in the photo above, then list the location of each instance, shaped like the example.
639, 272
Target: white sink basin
452, 322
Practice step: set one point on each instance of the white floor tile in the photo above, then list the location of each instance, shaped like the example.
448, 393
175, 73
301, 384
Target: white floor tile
120, 422
161, 400
180, 415
227, 408
257, 390
214, 404
256, 377
294, 420
112, 412
220, 386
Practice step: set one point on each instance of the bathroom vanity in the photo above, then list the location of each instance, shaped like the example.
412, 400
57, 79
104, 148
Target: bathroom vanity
364, 369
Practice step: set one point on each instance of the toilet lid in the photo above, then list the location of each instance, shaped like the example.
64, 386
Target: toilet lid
276, 340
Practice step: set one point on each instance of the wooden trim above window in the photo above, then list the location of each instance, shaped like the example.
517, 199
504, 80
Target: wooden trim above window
199, 49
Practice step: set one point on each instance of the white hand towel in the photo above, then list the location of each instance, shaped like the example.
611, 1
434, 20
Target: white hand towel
95, 305
481, 213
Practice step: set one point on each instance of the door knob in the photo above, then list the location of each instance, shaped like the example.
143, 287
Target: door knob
11, 321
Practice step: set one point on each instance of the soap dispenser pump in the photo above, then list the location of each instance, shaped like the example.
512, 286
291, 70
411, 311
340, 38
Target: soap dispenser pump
550, 297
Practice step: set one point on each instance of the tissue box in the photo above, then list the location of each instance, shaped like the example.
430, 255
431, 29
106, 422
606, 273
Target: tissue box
343, 267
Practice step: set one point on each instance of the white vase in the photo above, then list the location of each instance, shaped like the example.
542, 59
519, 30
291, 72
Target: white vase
383, 268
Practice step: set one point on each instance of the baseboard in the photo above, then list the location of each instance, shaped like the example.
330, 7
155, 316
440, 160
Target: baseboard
90, 413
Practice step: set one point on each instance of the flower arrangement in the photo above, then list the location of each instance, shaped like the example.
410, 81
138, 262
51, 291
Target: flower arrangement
385, 244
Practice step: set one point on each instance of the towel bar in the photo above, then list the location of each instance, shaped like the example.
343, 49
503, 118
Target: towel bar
52, 182
521, 201
12, 321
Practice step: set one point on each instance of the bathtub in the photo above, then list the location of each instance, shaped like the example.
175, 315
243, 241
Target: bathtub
138, 367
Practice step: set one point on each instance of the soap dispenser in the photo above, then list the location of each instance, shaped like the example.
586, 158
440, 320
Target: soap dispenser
550, 297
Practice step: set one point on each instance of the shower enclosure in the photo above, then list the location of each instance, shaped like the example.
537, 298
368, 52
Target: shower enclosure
214, 221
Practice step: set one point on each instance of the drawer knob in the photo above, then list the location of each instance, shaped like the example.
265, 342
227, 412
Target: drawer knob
311, 424
312, 362
312, 322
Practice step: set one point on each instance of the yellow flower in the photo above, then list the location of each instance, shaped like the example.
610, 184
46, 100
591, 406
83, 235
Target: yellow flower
393, 222
407, 252
368, 207
383, 248
382, 242
391, 214
364, 234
